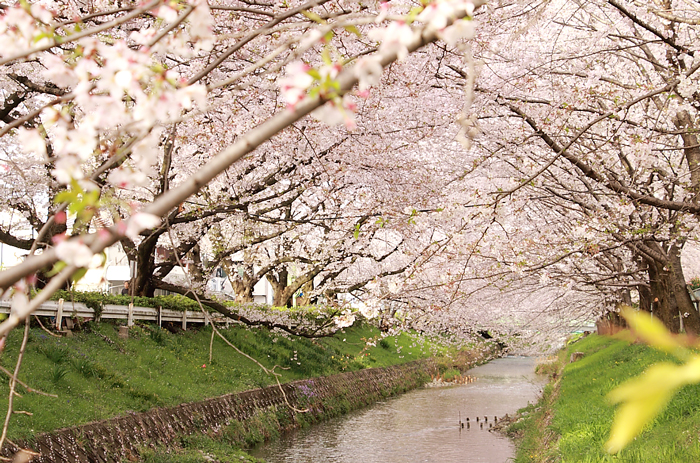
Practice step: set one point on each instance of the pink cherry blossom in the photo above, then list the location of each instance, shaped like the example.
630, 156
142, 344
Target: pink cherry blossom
345, 319
32, 141
369, 72
295, 83
74, 252
394, 38
139, 222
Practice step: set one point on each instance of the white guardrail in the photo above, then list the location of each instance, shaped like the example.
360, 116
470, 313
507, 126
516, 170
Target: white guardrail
65, 309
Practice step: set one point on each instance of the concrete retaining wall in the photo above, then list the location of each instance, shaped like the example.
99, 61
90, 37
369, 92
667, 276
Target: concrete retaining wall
118, 438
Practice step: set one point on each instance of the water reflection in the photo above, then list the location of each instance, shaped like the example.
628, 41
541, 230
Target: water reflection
420, 426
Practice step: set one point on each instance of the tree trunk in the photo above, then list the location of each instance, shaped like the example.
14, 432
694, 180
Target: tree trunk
242, 285
626, 297
663, 303
686, 308
243, 289
305, 298
278, 280
284, 294
644, 291
145, 267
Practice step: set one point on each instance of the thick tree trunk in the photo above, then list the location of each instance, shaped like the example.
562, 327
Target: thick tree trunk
281, 297
284, 294
145, 267
626, 297
686, 308
663, 304
645, 298
668, 297
305, 297
242, 285
684, 121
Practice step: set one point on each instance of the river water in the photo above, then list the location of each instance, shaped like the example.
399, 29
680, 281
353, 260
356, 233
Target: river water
421, 425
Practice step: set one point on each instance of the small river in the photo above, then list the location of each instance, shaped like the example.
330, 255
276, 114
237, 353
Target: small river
421, 425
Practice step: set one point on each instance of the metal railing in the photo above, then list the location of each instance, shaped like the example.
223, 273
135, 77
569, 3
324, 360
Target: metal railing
61, 309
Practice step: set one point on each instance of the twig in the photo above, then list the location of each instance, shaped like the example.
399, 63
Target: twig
79, 35
45, 329
211, 343
28, 451
216, 330
13, 382
23, 384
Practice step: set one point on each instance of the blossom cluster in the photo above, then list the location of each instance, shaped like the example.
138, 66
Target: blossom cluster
121, 97
445, 17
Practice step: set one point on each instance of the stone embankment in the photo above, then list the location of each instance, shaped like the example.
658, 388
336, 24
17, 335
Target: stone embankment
284, 407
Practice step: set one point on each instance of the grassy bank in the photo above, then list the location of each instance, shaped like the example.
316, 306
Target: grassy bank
96, 375
573, 419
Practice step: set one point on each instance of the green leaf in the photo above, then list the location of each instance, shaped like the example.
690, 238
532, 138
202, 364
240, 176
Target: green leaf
57, 267
653, 332
65, 196
353, 30
79, 274
314, 17
644, 397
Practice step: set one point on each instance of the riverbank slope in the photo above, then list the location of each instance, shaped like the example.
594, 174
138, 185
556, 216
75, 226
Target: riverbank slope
95, 375
572, 420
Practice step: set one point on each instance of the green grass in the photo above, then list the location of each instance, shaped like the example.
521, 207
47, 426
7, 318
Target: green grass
97, 375
196, 449
580, 417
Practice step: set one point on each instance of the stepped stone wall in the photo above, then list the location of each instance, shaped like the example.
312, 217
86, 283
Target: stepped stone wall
120, 438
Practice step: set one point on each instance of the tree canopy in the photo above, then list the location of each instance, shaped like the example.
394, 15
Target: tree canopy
462, 166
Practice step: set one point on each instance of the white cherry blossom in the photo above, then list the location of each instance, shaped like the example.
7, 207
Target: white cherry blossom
139, 222
74, 252
394, 38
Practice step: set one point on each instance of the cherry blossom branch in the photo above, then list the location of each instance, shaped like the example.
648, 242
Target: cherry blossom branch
612, 183
166, 30
22, 310
238, 45
646, 26
96, 15
80, 35
162, 205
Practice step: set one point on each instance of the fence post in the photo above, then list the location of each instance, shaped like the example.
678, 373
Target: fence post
59, 314
130, 316
160, 317
98, 317
184, 320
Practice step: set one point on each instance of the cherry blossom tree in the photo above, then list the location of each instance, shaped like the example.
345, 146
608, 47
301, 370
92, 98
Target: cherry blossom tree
159, 123
101, 102
596, 105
